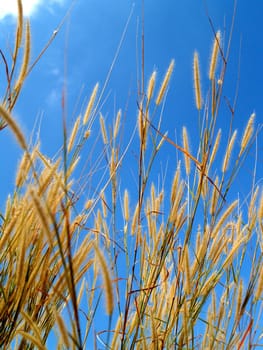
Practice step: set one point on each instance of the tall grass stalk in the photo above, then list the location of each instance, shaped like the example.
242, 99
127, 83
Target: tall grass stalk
173, 264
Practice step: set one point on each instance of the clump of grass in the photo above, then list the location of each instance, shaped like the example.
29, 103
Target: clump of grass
170, 260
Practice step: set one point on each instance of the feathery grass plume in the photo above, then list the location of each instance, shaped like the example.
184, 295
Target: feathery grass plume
215, 196
239, 299
134, 225
19, 30
150, 87
73, 134
42, 215
214, 55
25, 62
24, 168
209, 283
28, 319
259, 290
175, 184
103, 130
223, 218
90, 104
117, 124
215, 147
106, 280
187, 281
126, 206
104, 204
87, 134
62, 329
14, 127
229, 151
260, 210
233, 251
117, 331
214, 99
165, 82
31, 338
247, 133
197, 83
186, 147
162, 141
88, 204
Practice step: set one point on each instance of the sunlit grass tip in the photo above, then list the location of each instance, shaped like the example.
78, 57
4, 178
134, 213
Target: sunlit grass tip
90, 104
165, 82
197, 82
214, 55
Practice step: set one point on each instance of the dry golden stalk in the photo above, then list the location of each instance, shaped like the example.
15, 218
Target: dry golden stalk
259, 290
14, 127
104, 204
186, 147
90, 104
247, 133
19, 30
150, 87
215, 196
187, 281
117, 124
117, 332
215, 148
197, 83
229, 151
214, 55
103, 130
175, 184
88, 204
126, 206
239, 299
25, 62
223, 218
165, 82
209, 284
62, 329
73, 134
42, 215
23, 169
233, 251
177, 201
106, 281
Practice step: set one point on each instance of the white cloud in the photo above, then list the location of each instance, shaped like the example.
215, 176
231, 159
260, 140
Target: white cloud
9, 7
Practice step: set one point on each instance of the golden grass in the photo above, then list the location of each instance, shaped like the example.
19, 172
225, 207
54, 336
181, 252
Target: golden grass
168, 255
197, 82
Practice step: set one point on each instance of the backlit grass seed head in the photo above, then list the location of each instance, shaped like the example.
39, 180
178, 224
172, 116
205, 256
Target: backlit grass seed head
197, 82
14, 127
19, 31
215, 147
106, 281
73, 134
165, 82
117, 124
150, 87
90, 104
247, 133
26, 57
126, 206
259, 290
186, 147
214, 56
103, 130
229, 151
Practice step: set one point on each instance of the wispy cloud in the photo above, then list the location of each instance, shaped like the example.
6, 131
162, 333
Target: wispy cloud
30, 7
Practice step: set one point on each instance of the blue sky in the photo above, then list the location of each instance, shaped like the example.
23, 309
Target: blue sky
89, 39
88, 42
